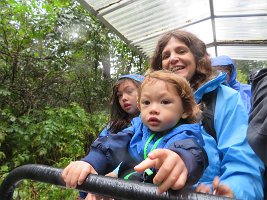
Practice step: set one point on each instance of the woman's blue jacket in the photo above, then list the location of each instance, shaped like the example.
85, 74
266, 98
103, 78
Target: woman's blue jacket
230, 157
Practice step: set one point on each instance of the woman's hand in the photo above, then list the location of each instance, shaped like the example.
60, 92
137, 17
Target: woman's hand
218, 189
221, 189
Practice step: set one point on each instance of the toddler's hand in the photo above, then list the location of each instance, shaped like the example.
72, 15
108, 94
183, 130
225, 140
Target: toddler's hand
76, 172
172, 171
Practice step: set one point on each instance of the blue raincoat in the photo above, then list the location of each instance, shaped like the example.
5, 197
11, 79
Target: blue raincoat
244, 89
230, 157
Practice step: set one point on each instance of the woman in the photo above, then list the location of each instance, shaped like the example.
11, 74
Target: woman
230, 156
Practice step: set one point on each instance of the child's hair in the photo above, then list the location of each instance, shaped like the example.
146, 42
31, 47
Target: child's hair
119, 119
183, 89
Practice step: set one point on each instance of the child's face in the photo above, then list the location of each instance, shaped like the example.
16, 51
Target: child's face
227, 71
128, 95
161, 107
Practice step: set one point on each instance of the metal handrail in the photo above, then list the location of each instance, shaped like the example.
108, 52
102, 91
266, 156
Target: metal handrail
97, 184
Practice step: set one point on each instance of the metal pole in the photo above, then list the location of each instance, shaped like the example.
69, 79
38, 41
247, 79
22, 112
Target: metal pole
102, 185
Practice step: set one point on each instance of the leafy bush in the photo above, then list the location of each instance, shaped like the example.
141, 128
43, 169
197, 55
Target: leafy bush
54, 136
31, 190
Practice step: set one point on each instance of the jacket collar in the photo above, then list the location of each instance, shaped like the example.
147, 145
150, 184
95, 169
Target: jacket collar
210, 86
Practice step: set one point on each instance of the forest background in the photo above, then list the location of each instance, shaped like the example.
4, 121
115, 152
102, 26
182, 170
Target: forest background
57, 67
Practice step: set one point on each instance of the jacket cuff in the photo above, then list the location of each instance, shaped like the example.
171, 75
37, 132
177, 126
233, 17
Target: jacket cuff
194, 157
98, 160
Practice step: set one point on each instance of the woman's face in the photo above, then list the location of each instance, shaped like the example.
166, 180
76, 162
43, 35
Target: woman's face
178, 58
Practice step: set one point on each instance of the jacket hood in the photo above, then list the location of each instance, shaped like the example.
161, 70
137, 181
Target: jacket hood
226, 61
136, 77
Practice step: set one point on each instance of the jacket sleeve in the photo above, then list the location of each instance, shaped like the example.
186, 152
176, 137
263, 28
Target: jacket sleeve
241, 169
194, 157
107, 152
257, 129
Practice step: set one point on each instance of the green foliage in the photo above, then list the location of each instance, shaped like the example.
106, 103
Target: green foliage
245, 67
53, 137
53, 53
31, 190
57, 65
49, 135
242, 77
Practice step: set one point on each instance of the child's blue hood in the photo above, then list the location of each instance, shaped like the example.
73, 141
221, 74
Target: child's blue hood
136, 77
226, 61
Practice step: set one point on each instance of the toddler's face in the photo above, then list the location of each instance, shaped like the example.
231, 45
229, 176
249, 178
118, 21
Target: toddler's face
161, 107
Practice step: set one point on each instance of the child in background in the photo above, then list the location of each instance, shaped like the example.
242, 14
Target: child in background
123, 107
123, 103
226, 64
166, 135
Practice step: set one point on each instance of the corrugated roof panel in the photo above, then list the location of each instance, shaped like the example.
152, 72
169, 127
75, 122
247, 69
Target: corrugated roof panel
243, 28
203, 30
154, 17
148, 45
100, 4
244, 52
220, 24
241, 7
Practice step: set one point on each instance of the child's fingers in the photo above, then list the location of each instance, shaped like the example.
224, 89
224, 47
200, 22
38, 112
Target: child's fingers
71, 181
164, 170
66, 175
172, 171
168, 162
65, 172
91, 196
175, 179
167, 183
147, 163
70, 176
157, 153
87, 169
154, 159
180, 182
76, 172
83, 176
